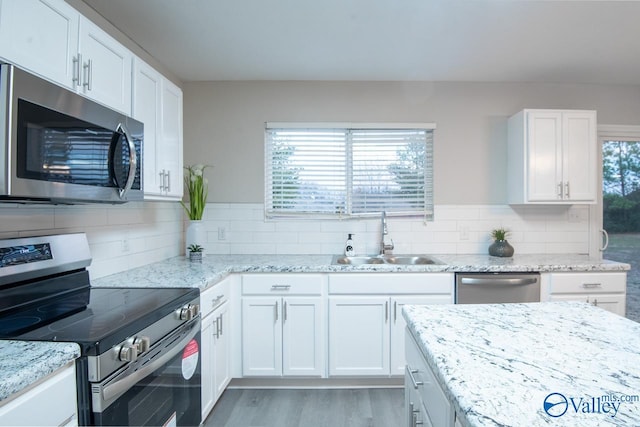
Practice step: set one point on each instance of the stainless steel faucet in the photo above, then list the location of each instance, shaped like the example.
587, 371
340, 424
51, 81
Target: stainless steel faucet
385, 248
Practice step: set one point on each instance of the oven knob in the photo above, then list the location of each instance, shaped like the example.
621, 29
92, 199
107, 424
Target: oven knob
188, 312
142, 344
128, 353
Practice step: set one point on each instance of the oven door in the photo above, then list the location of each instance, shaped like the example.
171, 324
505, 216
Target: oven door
162, 387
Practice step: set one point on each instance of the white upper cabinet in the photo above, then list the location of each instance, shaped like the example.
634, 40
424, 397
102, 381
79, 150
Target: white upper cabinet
146, 108
158, 104
41, 36
169, 150
552, 157
53, 40
105, 67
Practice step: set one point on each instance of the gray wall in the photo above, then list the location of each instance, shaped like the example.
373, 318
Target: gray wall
224, 125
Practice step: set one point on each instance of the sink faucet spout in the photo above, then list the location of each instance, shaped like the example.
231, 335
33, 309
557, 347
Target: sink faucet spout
385, 248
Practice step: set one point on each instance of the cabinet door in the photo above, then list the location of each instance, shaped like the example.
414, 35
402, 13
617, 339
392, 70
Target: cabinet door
106, 67
544, 157
358, 336
146, 108
169, 152
261, 336
302, 337
208, 365
579, 156
222, 350
610, 302
398, 325
40, 36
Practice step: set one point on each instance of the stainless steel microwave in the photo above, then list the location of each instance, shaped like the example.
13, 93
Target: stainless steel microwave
59, 147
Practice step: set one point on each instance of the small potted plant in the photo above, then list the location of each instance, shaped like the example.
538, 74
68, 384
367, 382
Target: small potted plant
195, 253
500, 247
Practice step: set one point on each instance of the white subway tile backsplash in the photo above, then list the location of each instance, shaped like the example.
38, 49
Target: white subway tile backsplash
456, 229
126, 236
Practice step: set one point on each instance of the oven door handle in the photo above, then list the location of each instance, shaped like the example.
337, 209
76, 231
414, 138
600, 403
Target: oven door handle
112, 391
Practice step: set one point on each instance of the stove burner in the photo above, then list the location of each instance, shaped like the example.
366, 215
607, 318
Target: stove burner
19, 323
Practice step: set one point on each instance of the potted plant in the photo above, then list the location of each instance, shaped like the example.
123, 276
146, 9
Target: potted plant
197, 187
195, 253
500, 246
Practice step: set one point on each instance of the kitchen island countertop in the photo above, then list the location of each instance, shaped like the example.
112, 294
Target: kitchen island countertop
498, 363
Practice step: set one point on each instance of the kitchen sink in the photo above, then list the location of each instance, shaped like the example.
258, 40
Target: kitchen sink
385, 259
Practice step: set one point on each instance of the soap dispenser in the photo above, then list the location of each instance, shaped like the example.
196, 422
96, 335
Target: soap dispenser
349, 250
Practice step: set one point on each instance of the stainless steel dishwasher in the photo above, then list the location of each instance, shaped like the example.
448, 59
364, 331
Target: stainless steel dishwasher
487, 288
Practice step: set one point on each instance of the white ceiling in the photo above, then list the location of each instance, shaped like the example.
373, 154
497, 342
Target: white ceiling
433, 40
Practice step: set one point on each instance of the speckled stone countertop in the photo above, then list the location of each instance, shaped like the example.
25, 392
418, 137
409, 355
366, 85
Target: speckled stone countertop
23, 363
179, 272
498, 363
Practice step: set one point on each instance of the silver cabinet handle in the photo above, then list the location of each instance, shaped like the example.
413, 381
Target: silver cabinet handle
284, 311
77, 60
217, 301
395, 311
219, 326
410, 372
216, 333
595, 302
88, 70
276, 308
168, 186
566, 190
591, 285
386, 311
161, 173
280, 287
559, 194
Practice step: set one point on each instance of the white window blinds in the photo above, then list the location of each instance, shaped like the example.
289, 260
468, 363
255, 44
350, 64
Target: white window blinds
342, 172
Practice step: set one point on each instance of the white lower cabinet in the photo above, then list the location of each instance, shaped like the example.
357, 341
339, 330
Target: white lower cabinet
425, 401
216, 346
602, 289
51, 403
282, 334
366, 332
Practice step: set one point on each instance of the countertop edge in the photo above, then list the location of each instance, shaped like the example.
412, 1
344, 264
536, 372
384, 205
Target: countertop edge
25, 363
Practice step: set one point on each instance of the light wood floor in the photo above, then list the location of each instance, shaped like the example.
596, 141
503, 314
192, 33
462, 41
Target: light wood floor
308, 408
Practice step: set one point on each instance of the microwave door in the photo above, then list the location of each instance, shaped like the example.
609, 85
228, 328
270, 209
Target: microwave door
123, 160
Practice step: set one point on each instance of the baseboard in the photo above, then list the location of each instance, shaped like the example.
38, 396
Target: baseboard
317, 383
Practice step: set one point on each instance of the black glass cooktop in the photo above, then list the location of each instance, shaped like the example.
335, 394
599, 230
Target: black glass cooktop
110, 316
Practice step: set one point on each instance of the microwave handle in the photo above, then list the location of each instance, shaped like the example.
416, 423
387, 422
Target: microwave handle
133, 161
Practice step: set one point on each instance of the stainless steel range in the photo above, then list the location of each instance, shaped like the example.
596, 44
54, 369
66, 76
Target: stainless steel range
140, 359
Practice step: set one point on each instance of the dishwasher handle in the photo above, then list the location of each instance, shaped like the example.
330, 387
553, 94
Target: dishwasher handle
518, 281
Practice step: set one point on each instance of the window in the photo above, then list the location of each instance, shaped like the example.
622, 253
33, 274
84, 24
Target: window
333, 171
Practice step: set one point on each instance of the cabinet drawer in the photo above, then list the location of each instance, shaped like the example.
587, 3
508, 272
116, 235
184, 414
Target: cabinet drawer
419, 376
570, 283
214, 297
397, 283
282, 284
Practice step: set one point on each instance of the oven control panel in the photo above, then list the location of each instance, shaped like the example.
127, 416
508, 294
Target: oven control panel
24, 254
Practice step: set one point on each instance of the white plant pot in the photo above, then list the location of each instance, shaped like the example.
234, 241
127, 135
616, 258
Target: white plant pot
196, 235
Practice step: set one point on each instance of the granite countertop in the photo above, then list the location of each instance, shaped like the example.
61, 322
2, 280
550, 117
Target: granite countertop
179, 272
497, 363
23, 363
